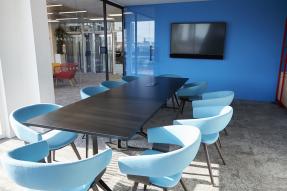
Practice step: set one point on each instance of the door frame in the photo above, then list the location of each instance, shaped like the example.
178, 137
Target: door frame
105, 3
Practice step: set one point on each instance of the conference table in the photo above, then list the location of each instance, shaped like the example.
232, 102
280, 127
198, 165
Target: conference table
118, 113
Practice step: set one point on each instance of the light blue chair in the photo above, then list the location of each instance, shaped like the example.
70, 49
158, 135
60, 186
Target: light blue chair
56, 139
23, 167
191, 92
112, 84
161, 169
218, 98
170, 75
129, 78
210, 121
92, 90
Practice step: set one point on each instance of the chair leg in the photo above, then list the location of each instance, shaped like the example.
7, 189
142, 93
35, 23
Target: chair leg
183, 104
219, 151
135, 186
208, 163
95, 188
176, 100
173, 103
164, 189
219, 141
87, 146
183, 185
145, 187
76, 150
225, 131
71, 83
54, 155
49, 158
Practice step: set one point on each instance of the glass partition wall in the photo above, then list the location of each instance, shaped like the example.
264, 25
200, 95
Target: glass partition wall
85, 36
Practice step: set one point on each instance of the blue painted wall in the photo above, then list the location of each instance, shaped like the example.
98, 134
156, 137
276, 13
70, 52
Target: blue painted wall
253, 44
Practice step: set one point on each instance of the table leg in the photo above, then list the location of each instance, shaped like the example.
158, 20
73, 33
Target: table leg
95, 144
102, 184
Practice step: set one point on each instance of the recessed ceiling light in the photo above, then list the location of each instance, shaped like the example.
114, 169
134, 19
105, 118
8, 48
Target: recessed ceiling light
55, 5
62, 19
100, 19
52, 21
71, 12
115, 15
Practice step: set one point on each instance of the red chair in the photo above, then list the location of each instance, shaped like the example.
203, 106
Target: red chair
65, 72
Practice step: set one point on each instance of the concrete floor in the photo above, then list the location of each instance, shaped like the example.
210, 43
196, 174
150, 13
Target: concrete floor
255, 150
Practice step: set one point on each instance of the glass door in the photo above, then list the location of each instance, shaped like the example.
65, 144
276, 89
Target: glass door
140, 43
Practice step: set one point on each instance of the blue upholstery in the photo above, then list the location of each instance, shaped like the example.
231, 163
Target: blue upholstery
164, 169
112, 84
92, 90
192, 89
22, 166
210, 121
55, 138
218, 98
129, 78
170, 75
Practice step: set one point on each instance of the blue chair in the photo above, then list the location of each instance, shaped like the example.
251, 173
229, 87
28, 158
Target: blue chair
56, 139
162, 169
191, 92
92, 90
170, 75
112, 84
129, 78
23, 167
210, 121
218, 98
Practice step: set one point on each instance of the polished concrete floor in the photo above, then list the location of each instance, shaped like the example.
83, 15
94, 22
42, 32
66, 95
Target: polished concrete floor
255, 150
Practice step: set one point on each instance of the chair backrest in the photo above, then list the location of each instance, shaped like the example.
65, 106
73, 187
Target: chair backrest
209, 120
23, 114
22, 167
92, 90
192, 89
129, 78
112, 84
170, 75
165, 164
65, 71
218, 98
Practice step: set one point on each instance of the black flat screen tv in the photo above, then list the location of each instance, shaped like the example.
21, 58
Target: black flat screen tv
198, 40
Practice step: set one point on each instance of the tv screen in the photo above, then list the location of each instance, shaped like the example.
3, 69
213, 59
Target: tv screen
198, 40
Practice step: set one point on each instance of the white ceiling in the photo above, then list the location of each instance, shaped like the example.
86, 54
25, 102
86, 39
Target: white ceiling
146, 2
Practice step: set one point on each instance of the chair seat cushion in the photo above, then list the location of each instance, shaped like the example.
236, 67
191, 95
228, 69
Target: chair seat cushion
165, 182
210, 138
57, 139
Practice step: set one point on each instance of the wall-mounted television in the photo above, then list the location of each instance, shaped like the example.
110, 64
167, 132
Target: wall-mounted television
198, 40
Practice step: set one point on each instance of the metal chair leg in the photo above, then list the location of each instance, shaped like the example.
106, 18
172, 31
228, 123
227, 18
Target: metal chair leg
76, 150
173, 103
87, 146
225, 131
183, 104
54, 155
49, 158
219, 151
219, 141
176, 99
208, 163
135, 186
183, 185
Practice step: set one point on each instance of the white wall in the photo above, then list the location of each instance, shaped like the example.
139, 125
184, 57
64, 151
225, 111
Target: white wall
25, 54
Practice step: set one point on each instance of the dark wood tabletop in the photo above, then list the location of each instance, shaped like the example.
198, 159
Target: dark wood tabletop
117, 113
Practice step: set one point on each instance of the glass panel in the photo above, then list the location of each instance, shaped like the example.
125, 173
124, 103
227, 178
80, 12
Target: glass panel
115, 42
140, 42
77, 38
